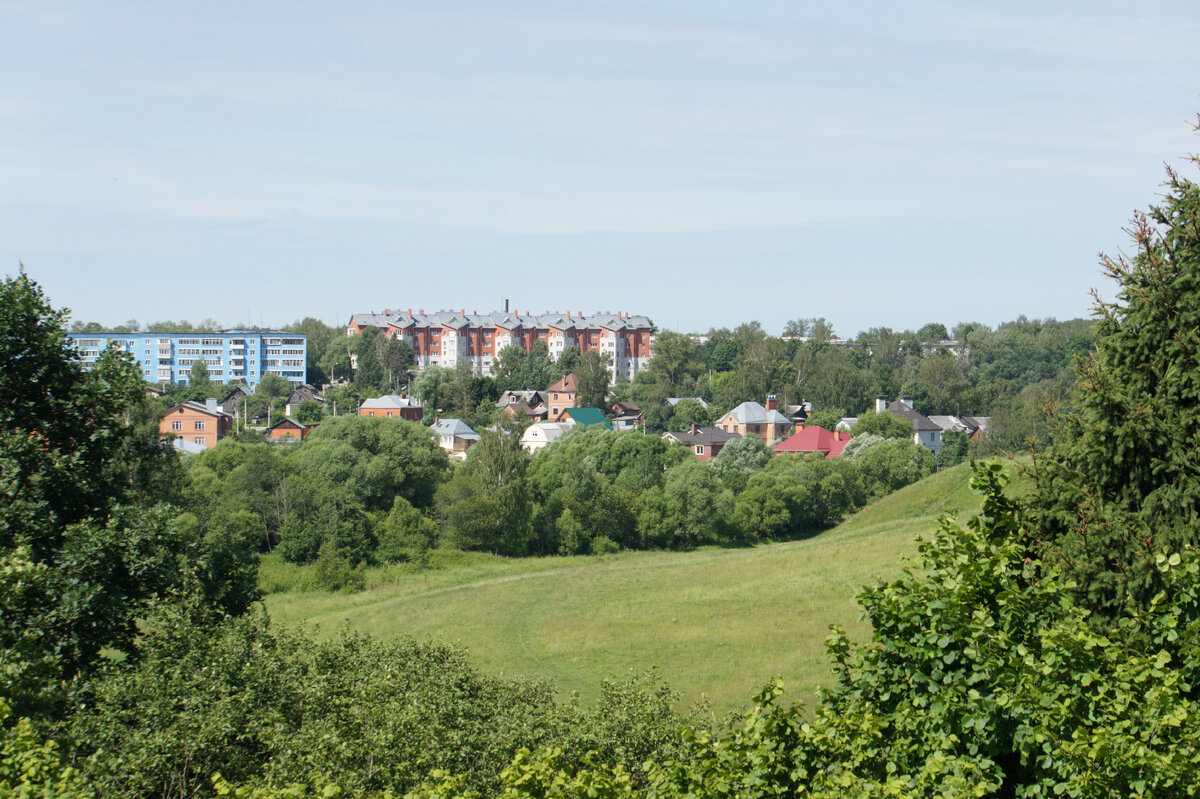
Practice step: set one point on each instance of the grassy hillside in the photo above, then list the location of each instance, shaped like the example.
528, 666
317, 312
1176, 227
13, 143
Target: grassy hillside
716, 621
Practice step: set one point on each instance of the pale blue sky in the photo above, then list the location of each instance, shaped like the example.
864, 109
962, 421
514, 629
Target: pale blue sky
701, 163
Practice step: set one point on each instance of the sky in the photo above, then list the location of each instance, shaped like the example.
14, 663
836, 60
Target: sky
701, 163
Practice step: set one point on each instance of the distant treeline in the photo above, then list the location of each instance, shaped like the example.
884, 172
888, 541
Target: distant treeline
1008, 373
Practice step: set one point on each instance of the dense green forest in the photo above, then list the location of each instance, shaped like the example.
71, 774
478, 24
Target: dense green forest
363, 490
1047, 647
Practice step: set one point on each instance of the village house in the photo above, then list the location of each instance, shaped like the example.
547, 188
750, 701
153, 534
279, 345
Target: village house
455, 436
752, 419
204, 425
530, 398
706, 442
541, 434
529, 405
925, 432
300, 394
231, 403
562, 395
626, 416
975, 427
397, 406
814, 438
288, 429
585, 417
519, 410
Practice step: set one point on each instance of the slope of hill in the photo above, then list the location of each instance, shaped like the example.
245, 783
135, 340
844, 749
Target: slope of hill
717, 622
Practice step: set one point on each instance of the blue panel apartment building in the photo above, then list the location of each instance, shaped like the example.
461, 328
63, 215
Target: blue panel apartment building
244, 355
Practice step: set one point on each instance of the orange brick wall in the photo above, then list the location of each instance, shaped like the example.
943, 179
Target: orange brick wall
182, 422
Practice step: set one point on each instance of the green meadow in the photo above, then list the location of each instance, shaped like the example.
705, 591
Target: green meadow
714, 623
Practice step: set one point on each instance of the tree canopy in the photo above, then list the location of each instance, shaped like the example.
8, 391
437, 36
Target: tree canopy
1123, 482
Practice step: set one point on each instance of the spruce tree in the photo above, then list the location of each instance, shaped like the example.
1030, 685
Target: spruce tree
1123, 483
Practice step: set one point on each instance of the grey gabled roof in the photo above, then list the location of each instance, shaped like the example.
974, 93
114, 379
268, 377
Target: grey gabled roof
454, 427
948, 423
754, 413
515, 396
918, 421
389, 401
370, 319
549, 430
196, 406
304, 392
702, 435
505, 319
673, 401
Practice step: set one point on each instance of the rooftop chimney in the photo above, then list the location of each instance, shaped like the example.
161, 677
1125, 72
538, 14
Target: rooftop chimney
880, 404
211, 404
695, 429
772, 402
506, 306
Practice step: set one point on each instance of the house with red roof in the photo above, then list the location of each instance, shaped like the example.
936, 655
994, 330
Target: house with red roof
814, 438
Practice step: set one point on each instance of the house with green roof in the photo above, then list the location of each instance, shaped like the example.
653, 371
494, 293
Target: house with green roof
587, 417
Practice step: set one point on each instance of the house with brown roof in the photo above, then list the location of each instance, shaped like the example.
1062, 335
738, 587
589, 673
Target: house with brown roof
626, 416
706, 442
288, 429
562, 395
522, 412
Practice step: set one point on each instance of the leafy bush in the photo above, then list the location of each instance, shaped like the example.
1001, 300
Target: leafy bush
267, 708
